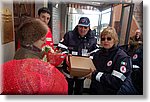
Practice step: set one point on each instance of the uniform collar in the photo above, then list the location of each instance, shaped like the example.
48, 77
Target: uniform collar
110, 50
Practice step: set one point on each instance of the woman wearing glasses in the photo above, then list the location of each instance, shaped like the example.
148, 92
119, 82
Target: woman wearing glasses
113, 67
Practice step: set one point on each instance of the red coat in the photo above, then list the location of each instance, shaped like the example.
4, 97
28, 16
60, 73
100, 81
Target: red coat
49, 39
32, 76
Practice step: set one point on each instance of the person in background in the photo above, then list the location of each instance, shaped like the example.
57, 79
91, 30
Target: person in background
135, 41
78, 42
137, 71
44, 15
113, 67
27, 73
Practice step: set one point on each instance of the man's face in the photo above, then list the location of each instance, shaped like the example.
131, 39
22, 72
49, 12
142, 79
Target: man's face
138, 33
83, 30
45, 17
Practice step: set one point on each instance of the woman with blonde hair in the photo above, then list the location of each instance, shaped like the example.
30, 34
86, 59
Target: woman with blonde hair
113, 67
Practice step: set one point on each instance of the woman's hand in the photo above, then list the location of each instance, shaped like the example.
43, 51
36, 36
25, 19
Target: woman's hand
89, 76
67, 62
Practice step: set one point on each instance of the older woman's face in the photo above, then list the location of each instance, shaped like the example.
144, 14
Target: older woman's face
107, 41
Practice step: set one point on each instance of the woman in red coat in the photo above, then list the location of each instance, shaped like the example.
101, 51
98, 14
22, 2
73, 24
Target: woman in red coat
32, 76
28, 74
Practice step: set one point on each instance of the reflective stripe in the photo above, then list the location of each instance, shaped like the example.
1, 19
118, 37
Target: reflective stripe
93, 51
64, 52
95, 37
98, 76
135, 66
49, 39
91, 57
67, 75
62, 46
97, 46
119, 75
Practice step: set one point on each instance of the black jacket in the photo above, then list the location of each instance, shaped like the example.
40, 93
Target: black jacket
115, 69
137, 74
73, 42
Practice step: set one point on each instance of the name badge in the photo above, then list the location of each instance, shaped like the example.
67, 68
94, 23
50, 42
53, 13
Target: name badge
74, 53
84, 52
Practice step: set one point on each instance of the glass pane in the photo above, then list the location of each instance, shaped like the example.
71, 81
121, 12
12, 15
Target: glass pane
124, 25
105, 18
75, 14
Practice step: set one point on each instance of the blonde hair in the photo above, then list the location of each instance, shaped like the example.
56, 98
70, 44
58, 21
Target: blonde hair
112, 32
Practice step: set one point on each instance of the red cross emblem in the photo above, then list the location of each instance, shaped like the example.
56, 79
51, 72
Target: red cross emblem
123, 69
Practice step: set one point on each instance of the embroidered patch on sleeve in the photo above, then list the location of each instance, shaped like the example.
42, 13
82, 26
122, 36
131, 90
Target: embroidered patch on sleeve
109, 63
123, 69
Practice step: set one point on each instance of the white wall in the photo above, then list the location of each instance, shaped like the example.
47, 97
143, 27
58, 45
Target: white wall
56, 24
8, 51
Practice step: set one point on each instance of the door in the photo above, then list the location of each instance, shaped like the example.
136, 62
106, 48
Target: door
22, 9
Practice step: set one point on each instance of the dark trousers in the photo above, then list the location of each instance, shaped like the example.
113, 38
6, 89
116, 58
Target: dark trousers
78, 88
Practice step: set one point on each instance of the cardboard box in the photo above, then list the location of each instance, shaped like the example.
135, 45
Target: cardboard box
80, 66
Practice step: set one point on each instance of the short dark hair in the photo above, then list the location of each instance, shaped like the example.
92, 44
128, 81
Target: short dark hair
44, 10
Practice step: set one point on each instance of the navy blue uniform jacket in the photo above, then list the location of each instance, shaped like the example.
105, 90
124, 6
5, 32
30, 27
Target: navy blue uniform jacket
113, 69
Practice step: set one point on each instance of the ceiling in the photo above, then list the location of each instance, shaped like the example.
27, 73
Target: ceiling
100, 4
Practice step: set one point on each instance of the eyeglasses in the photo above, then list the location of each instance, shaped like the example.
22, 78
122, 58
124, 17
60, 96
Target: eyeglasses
108, 39
83, 27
